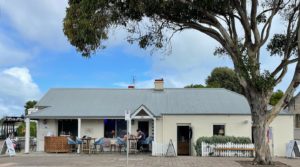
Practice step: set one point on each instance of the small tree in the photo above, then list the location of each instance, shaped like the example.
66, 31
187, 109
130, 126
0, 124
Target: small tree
29, 104
21, 129
224, 77
87, 23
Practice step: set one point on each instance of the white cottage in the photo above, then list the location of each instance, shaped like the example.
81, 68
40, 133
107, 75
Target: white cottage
164, 113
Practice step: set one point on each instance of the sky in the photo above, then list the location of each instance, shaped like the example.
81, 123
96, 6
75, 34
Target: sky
35, 56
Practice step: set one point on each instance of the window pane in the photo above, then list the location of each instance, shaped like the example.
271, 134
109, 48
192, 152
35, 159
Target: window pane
67, 127
219, 130
121, 128
109, 128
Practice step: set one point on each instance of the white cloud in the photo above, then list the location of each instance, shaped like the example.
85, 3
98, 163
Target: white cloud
191, 60
16, 87
38, 21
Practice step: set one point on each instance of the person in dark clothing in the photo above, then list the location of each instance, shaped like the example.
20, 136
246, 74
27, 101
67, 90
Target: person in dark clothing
141, 137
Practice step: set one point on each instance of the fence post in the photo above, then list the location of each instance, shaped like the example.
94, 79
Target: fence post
202, 152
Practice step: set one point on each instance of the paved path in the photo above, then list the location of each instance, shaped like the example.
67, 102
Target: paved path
117, 160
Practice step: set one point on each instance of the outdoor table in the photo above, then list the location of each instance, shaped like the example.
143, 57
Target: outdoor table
86, 144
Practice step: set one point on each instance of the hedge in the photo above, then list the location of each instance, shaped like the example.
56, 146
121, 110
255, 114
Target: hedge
220, 139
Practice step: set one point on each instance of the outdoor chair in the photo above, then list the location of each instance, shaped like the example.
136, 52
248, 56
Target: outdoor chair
72, 144
106, 143
98, 142
121, 144
146, 144
33, 144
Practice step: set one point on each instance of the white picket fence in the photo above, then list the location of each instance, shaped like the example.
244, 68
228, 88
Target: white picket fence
227, 150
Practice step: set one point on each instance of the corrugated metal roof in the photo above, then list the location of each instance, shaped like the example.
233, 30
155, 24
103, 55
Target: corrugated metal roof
87, 102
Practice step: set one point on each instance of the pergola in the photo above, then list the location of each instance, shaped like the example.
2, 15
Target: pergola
8, 125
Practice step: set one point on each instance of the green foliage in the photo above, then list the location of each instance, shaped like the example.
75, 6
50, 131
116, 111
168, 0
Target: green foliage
149, 23
194, 86
28, 105
263, 82
220, 139
276, 96
88, 22
279, 42
21, 129
224, 77
221, 77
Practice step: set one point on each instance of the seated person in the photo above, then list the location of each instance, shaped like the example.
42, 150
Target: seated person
124, 138
140, 137
113, 134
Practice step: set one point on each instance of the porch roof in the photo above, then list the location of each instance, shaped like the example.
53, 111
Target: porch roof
96, 103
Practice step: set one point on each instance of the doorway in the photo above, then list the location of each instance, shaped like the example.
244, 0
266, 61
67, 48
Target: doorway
144, 126
183, 140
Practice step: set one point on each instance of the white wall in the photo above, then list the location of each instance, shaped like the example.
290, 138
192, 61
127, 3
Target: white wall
92, 127
283, 132
43, 128
203, 126
235, 125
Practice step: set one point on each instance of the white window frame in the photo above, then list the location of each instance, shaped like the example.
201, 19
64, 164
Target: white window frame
225, 131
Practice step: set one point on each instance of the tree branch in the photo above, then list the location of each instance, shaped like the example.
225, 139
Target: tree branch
284, 63
241, 8
283, 102
254, 22
267, 26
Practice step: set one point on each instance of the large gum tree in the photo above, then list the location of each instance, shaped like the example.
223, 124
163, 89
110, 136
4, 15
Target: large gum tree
241, 27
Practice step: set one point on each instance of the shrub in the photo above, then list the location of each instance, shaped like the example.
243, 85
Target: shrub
220, 139
21, 129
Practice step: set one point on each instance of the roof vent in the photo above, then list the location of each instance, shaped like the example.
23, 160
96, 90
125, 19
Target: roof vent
159, 84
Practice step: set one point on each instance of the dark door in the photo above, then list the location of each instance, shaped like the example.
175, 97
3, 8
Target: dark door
144, 126
183, 140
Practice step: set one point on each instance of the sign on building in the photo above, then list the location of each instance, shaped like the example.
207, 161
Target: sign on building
127, 115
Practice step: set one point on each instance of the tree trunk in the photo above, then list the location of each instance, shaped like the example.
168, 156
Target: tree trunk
260, 128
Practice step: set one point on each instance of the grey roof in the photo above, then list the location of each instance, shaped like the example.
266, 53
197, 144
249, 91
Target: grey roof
92, 103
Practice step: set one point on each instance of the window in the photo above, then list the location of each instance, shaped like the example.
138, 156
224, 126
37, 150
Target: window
297, 121
67, 127
219, 130
114, 128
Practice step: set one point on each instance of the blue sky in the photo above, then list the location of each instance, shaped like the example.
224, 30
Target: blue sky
36, 56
